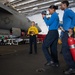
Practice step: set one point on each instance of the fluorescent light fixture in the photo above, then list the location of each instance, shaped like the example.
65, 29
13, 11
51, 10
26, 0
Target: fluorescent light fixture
37, 4
57, 3
35, 9
15, 1
25, 3
10, 0
19, 11
29, 10
44, 7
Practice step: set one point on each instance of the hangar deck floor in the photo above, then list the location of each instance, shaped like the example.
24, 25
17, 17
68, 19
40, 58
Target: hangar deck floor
15, 60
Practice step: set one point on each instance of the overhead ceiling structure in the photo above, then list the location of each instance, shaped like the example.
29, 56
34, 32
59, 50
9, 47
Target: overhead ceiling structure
31, 7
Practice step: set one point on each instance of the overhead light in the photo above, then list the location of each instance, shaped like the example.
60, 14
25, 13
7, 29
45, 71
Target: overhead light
35, 8
35, 5
25, 2
57, 3
15, 1
44, 7
10, 0
19, 11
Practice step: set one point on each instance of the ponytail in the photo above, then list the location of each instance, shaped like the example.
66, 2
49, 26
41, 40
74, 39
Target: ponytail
53, 7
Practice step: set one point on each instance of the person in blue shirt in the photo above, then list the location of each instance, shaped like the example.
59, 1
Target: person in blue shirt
51, 38
68, 25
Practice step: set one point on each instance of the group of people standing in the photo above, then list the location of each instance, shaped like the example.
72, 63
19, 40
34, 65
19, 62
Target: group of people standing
51, 38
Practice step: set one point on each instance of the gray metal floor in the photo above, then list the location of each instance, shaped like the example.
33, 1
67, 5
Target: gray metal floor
21, 63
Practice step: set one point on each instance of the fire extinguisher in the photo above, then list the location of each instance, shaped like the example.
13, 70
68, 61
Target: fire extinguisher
71, 43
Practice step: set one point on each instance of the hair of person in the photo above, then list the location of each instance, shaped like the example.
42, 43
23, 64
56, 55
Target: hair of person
53, 7
33, 22
66, 2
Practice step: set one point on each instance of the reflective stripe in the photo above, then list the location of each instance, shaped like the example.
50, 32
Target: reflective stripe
72, 46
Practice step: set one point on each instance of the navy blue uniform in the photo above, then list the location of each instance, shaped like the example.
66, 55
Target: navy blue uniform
68, 22
51, 38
